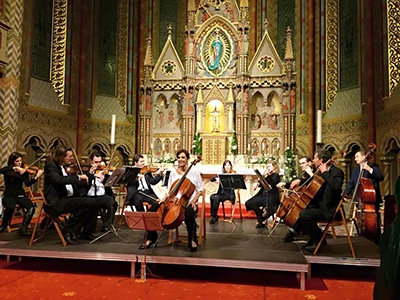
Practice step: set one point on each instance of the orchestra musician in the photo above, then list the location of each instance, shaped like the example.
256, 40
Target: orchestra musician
14, 177
222, 194
63, 196
324, 204
194, 176
98, 175
268, 199
140, 190
372, 172
307, 167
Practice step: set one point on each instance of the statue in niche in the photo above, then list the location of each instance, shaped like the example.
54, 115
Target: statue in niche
255, 120
285, 99
254, 148
228, 12
148, 100
293, 98
216, 53
246, 101
190, 101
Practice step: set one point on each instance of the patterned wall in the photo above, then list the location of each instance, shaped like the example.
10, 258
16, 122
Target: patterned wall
9, 84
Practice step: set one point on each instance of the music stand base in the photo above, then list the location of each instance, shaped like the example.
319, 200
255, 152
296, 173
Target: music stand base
111, 230
144, 271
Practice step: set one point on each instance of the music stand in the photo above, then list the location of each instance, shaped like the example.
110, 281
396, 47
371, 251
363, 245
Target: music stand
233, 182
147, 221
166, 178
118, 177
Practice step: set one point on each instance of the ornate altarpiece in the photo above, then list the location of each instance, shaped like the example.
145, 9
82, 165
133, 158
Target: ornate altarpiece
218, 90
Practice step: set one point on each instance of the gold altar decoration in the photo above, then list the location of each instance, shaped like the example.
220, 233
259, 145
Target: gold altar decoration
393, 12
332, 50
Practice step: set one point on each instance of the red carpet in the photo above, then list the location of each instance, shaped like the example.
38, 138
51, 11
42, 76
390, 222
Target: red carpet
74, 279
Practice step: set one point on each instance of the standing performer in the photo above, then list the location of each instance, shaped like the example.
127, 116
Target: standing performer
14, 176
103, 196
140, 190
222, 194
266, 198
372, 172
62, 196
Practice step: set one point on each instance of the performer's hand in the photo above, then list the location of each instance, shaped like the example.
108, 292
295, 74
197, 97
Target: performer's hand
193, 204
39, 173
366, 167
308, 170
93, 168
83, 178
323, 167
294, 183
19, 170
160, 171
281, 185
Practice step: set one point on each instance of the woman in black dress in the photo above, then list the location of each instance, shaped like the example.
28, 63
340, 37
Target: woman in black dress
14, 177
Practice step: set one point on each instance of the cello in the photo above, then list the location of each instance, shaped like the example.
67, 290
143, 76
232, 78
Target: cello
172, 207
294, 201
366, 219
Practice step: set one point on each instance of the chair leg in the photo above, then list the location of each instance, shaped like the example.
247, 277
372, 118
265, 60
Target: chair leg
348, 234
223, 210
39, 208
322, 238
63, 241
333, 231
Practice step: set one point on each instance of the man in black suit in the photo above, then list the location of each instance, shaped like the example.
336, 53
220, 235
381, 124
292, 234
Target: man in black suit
62, 196
372, 172
102, 195
323, 205
140, 190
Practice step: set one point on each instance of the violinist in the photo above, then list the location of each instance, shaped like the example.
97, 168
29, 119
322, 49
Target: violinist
324, 204
268, 199
222, 194
194, 176
140, 190
372, 172
62, 196
102, 195
14, 177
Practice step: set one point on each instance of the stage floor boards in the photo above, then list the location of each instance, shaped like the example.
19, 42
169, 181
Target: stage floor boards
248, 249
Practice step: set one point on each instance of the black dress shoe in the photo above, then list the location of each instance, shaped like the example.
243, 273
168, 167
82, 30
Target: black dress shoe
147, 245
214, 220
260, 225
193, 248
105, 229
87, 236
289, 237
70, 238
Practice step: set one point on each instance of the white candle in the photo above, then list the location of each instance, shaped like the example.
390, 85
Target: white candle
163, 147
319, 127
151, 146
113, 120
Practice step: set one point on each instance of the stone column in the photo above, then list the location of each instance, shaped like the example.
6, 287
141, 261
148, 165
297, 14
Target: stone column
387, 178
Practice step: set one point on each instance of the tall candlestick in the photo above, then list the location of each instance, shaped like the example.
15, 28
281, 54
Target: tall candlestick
113, 120
319, 127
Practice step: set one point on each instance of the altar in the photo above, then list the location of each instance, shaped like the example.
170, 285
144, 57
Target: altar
234, 100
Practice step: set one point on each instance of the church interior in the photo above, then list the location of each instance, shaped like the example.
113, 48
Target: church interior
246, 80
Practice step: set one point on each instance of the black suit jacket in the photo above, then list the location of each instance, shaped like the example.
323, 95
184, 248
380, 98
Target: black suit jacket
375, 178
54, 185
330, 193
272, 180
150, 180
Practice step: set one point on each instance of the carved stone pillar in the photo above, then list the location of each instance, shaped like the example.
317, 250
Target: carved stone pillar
387, 178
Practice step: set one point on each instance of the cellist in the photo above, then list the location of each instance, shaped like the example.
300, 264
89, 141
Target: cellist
194, 176
372, 172
323, 205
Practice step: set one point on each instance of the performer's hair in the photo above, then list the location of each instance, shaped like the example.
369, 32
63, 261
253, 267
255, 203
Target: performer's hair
324, 154
307, 158
137, 157
60, 153
362, 152
95, 154
187, 154
227, 161
13, 157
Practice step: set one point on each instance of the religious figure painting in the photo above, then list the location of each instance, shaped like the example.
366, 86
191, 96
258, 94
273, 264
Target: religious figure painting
166, 114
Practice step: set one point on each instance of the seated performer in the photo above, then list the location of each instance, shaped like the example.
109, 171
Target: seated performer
14, 176
140, 190
268, 199
191, 208
307, 166
62, 196
372, 172
222, 194
323, 205
102, 195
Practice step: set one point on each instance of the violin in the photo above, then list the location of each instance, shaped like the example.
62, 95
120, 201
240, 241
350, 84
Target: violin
30, 169
73, 169
148, 169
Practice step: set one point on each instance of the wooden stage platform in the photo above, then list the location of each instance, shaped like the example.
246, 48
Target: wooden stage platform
251, 249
